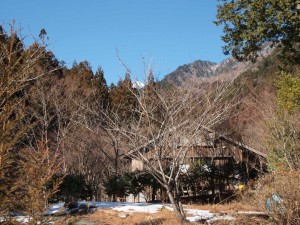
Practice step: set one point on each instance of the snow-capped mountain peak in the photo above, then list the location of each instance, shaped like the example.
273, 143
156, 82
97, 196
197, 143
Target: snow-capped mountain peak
138, 84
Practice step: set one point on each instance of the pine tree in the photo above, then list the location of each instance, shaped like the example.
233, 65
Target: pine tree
20, 68
123, 97
79, 81
17, 66
150, 78
101, 88
39, 167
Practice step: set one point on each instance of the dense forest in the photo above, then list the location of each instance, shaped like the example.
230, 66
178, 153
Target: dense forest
49, 132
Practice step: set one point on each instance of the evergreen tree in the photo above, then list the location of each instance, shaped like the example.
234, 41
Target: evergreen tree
14, 81
150, 78
79, 81
123, 97
288, 93
20, 69
101, 87
39, 167
81, 71
250, 24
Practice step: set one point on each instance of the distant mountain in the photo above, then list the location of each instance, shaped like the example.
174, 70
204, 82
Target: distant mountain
138, 84
199, 69
227, 69
257, 93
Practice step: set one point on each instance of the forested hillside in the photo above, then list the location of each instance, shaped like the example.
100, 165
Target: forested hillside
49, 133
258, 91
258, 101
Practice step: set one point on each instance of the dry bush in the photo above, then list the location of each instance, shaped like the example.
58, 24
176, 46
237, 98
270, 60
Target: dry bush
233, 206
243, 220
284, 207
110, 217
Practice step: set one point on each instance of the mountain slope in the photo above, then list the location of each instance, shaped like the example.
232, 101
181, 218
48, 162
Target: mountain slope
227, 69
188, 71
257, 94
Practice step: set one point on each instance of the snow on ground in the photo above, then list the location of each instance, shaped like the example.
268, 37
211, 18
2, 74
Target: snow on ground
193, 215
216, 218
251, 213
54, 208
21, 219
198, 215
149, 208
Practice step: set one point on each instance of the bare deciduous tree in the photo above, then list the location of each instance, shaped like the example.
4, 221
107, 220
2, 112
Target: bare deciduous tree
165, 125
100, 145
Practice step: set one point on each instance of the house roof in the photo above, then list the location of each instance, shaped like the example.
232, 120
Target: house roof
239, 144
200, 142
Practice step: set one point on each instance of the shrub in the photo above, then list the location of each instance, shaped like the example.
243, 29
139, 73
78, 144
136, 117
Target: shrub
278, 194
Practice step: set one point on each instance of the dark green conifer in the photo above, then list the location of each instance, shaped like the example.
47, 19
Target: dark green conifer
101, 88
123, 97
248, 25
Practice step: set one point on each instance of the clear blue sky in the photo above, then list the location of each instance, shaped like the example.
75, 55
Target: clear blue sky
166, 33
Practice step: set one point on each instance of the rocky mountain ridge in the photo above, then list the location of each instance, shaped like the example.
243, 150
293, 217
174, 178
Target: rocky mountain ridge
227, 69
199, 69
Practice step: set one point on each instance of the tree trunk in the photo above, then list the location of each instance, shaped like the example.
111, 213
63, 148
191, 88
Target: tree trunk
153, 192
163, 195
177, 206
213, 180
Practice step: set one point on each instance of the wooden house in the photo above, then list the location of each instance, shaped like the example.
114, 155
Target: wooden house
232, 161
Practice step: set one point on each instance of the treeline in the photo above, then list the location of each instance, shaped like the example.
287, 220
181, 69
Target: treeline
50, 136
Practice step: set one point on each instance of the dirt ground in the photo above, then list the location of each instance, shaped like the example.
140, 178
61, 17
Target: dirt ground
164, 217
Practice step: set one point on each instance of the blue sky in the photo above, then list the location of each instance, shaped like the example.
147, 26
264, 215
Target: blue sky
161, 33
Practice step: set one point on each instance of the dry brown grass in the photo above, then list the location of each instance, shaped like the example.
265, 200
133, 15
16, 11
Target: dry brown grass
165, 217
233, 206
286, 186
110, 217
244, 220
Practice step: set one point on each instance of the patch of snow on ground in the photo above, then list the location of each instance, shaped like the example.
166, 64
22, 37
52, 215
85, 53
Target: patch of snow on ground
194, 215
21, 219
54, 208
168, 207
153, 208
105, 205
198, 215
216, 218
251, 213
